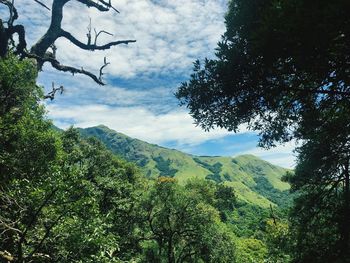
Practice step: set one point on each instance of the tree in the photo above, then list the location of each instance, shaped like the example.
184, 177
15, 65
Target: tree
276, 60
44, 50
322, 208
62, 198
282, 68
28, 148
181, 227
22, 122
277, 241
220, 196
250, 250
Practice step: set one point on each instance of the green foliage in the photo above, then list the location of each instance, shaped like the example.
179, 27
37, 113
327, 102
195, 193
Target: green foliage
244, 210
27, 143
282, 67
182, 227
164, 167
220, 196
321, 215
214, 177
62, 198
158, 161
250, 250
276, 62
278, 241
29, 150
80, 212
247, 220
264, 187
215, 169
65, 198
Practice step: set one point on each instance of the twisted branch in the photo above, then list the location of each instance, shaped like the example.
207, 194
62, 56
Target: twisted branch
93, 47
40, 50
51, 94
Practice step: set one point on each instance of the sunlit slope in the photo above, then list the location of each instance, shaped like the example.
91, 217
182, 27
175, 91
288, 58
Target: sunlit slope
255, 181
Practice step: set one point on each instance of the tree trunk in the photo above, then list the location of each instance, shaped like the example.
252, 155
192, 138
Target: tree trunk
3, 40
345, 224
171, 258
53, 32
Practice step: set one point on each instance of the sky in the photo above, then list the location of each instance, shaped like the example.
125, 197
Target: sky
142, 78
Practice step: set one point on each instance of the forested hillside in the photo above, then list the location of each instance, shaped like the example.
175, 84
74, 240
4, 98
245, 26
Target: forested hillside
255, 181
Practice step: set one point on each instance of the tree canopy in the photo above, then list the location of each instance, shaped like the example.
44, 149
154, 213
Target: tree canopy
282, 68
276, 62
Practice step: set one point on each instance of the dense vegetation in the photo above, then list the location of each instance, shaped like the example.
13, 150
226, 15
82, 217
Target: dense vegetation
282, 68
245, 173
67, 198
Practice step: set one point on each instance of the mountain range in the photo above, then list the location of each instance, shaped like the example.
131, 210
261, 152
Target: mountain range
255, 181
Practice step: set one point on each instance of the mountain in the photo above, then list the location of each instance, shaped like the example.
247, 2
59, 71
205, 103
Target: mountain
254, 180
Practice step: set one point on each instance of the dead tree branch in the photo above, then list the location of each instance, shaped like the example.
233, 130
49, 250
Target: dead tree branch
101, 69
51, 94
41, 52
97, 34
101, 5
13, 14
42, 4
93, 47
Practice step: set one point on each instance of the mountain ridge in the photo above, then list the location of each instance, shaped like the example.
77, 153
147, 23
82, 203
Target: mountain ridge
255, 181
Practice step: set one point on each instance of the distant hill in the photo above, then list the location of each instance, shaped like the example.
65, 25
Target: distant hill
255, 181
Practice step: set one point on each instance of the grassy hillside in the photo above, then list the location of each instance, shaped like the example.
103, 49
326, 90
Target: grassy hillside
255, 181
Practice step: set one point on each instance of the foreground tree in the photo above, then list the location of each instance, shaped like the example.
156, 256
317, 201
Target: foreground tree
276, 60
182, 226
21, 126
44, 50
62, 198
282, 68
321, 216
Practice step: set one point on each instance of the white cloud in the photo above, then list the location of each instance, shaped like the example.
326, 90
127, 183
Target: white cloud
176, 126
169, 34
79, 90
281, 155
136, 122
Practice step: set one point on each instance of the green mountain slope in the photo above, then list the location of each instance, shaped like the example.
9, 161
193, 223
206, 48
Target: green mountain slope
255, 181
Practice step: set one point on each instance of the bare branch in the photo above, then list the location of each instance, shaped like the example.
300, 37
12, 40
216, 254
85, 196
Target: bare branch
74, 70
51, 94
54, 50
42, 4
101, 69
22, 44
41, 52
12, 10
100, 32
76, 42
109, 5
90, 3
89, 34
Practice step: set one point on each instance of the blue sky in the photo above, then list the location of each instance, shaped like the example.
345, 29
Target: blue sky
142, 78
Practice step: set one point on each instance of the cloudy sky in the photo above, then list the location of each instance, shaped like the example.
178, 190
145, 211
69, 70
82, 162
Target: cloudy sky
142, 77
